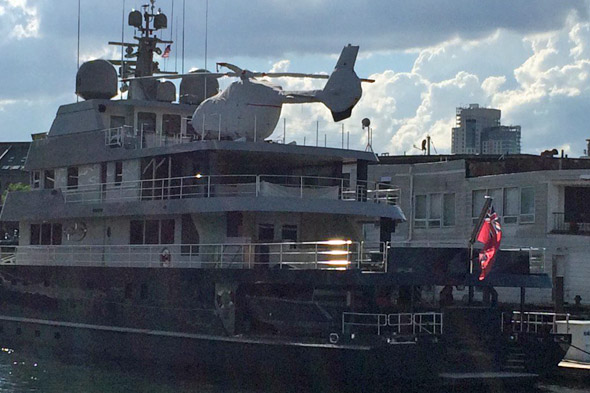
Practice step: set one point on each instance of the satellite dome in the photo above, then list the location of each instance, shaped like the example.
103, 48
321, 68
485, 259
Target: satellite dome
166, 92
96, 79
196, 88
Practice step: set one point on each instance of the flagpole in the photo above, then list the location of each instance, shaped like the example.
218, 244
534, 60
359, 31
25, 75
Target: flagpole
473, 238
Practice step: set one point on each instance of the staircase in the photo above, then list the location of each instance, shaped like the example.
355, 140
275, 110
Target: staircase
515, 359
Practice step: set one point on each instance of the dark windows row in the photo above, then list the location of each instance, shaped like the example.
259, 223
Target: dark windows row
46, 234
151, 232
19, 331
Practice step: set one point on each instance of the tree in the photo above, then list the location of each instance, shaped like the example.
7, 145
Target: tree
15, 187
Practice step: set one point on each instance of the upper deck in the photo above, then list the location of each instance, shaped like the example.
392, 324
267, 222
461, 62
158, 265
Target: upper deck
97, 131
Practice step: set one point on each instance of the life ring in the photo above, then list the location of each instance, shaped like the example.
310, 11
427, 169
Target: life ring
165, 257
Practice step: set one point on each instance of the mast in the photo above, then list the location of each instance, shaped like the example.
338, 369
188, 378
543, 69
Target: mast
147, 23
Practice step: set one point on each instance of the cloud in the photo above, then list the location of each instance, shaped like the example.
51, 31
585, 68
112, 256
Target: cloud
531, 62
18, 20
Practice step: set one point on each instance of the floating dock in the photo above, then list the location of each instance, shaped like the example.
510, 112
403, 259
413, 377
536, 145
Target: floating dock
479, 378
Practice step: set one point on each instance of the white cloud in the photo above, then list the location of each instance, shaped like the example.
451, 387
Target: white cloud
18, 20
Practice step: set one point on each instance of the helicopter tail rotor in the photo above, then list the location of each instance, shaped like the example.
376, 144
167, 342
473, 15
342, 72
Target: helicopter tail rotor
343, 89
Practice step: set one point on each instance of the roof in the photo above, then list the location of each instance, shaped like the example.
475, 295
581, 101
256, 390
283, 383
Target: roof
485, 165
13, 155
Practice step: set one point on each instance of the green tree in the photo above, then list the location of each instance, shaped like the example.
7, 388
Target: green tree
15, 187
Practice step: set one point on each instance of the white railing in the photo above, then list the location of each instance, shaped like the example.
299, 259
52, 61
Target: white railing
533, 322
430, 323
324, 255
127, 137
200, 186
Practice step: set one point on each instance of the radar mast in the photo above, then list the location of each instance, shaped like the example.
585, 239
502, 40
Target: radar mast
147, 23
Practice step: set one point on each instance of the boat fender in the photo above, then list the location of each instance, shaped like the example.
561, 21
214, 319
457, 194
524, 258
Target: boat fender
334, 338
165, 257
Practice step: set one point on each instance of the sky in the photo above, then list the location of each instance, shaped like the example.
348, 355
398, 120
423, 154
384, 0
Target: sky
531, 59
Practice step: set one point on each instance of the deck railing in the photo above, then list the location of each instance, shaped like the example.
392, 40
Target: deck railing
429, 323
578, 226
533, 322
203, 186
324, 255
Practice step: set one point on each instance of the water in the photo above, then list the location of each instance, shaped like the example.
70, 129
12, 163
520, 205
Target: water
20, 373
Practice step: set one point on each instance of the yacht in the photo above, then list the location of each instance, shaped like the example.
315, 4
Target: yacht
156, 233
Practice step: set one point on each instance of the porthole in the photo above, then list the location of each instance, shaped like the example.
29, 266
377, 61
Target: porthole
37, 333
57, 335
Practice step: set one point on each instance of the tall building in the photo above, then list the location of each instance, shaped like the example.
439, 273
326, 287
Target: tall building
478, 131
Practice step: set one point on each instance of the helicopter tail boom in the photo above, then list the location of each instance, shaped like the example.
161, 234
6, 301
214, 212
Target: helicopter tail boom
343, 89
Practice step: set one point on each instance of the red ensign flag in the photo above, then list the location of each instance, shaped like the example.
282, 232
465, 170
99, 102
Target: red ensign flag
490, 234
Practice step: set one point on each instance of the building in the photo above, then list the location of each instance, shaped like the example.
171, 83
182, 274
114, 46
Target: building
478, 131
12, 160
540, 202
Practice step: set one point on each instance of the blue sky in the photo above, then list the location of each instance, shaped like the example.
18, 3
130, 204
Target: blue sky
529, 59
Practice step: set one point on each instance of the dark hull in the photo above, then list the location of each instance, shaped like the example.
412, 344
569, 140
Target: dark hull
234, 358
170, 318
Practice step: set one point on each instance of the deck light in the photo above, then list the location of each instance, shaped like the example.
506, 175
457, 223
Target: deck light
337, 242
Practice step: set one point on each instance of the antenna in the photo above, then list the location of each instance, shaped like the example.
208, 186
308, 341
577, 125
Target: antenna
366, 123
206, 29
183, 20
122, 47
78, 63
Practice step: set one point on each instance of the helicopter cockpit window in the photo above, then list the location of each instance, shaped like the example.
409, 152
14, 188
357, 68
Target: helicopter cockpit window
171, 125
146, 122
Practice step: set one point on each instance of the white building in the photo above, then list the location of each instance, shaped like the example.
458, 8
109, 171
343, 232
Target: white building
541, 202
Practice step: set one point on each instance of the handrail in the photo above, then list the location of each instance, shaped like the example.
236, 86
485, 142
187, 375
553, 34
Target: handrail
415, 324
207, 186
321, 255
534, 322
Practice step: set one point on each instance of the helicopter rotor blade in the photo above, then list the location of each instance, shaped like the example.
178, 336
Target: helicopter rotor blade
179, 76
300, 75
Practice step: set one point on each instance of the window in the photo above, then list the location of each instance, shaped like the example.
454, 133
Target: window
190, 131
434, 210
146, 122
117, 121
289, 233
420, 211
477, 202
151, 232
49, 181
118, 173
73, 177
511, 205
35, 179
46, 234
189, 236
514, 204
171, 125
527, 205
449, 210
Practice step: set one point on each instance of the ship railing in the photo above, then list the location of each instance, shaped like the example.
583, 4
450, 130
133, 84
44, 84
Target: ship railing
209, 186
323, 255
533, 322
428, 323
123, 136
129, 138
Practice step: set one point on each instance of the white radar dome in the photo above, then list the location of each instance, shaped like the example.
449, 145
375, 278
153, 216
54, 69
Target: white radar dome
196, 88
96, 79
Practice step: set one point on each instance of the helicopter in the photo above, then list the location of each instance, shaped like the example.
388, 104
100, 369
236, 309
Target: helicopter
249, 108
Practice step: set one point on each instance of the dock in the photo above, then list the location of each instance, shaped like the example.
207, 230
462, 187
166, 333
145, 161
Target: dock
573, 365
479, 378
